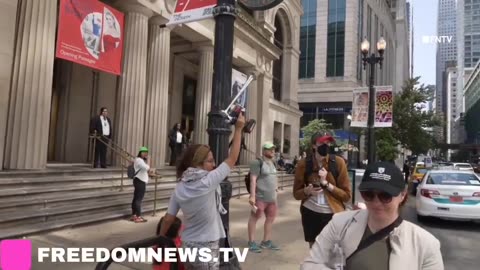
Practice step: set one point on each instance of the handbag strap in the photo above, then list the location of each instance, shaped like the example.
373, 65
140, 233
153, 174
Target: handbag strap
377, 236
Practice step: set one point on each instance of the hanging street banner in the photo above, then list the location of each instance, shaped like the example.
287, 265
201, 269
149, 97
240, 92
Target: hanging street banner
360, 108
90, 33
238, 80
383, 106
192, 10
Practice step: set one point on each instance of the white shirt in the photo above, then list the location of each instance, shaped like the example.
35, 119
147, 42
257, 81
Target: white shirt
179, 137
105, 126
142, 168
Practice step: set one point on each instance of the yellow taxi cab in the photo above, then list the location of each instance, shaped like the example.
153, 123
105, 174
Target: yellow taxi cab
417, 175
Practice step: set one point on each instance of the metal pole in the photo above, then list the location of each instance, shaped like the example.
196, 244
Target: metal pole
371, 112
218, 130
94, 145
121, 179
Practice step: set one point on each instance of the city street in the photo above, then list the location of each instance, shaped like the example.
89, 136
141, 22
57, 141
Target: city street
459, 240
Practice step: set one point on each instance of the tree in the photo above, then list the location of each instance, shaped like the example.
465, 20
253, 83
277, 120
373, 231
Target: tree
387, 149
315, 126
410, 122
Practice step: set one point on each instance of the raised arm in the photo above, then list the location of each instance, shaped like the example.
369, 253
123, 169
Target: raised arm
237, 138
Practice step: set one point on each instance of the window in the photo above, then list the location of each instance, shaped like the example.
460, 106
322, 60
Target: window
336, 38
307, 39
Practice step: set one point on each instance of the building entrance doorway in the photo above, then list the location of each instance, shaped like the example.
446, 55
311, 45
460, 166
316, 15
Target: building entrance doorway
188, 107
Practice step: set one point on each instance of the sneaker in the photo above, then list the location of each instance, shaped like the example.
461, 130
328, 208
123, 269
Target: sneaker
253, 247
269, 245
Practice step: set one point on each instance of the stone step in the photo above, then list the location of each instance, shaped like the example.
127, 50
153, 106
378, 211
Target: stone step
15, 217
55, 200
71, 186
31, 229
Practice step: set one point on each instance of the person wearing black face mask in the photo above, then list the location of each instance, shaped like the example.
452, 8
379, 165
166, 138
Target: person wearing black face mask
323, 186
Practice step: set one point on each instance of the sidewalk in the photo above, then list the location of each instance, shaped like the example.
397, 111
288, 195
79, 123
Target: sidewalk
287, 233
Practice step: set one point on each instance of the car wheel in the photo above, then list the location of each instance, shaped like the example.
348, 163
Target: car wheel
421, 218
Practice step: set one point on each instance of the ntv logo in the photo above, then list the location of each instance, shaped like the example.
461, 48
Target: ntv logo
437, 39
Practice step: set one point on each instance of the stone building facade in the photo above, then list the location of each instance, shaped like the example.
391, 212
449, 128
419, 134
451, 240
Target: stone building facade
46, 103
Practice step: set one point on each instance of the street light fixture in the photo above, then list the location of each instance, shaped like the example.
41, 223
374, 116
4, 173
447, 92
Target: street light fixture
372, 60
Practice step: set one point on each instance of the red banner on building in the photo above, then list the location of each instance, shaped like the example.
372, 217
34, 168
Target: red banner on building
90, 33
192, 10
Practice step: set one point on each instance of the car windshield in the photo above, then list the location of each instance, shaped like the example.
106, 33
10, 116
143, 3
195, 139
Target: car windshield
421, 171
463, 166
463, 179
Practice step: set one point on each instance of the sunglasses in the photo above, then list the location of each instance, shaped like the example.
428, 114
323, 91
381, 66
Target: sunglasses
383, 197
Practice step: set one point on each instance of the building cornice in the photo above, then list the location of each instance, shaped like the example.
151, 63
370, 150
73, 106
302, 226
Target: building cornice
283, 108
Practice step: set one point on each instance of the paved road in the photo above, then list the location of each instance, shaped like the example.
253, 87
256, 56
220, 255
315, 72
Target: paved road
460, 241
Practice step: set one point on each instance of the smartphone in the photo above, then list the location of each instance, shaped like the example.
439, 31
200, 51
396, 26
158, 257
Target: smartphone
254, 209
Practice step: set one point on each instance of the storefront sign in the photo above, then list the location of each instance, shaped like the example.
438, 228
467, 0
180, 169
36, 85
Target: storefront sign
90, 33
383, 106
360, 108
192, 10
335, 110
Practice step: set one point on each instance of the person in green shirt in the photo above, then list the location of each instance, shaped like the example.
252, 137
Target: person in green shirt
263, 197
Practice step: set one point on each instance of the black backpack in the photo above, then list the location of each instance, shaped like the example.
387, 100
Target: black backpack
332, 167
247, 177
131, 173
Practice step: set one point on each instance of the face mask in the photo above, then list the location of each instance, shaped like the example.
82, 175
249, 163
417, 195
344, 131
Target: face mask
323, 150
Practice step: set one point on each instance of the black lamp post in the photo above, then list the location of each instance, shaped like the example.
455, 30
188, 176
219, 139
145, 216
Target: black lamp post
218, 129
372, 60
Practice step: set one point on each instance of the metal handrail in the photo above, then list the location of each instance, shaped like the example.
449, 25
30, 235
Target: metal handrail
159, 241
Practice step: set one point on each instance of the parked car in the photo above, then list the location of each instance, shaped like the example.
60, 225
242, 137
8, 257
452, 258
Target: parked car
476, 167
417, 175
449, 194
463, 166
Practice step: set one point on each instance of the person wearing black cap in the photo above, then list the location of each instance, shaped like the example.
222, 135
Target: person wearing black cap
323, 186
376, 237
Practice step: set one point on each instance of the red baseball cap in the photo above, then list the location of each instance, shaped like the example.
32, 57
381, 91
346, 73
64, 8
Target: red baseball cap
325, 139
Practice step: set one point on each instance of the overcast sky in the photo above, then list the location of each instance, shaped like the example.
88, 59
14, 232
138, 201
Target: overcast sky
424, 24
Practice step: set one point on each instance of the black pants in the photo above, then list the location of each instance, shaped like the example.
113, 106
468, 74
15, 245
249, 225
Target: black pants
175, 152
138, 195
101, 152
313, 223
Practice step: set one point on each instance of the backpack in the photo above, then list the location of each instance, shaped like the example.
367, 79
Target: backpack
247, 177
332, 167
131, 173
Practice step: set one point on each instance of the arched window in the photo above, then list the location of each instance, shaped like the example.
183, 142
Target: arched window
278, 64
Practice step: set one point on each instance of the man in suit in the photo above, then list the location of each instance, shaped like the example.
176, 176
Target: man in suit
103, 126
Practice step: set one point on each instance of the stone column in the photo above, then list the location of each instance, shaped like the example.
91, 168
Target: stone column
131, 96
252, 109
203, 95
264, 121
157, 90
290, 85
8, 11
31, 86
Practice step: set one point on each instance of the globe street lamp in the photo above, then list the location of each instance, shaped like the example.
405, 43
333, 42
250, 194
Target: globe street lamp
372, 60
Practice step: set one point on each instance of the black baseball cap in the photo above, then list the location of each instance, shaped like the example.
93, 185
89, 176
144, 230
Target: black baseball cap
383, 176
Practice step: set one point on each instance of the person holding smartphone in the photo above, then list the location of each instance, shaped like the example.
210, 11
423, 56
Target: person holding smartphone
322, 190
140, 183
